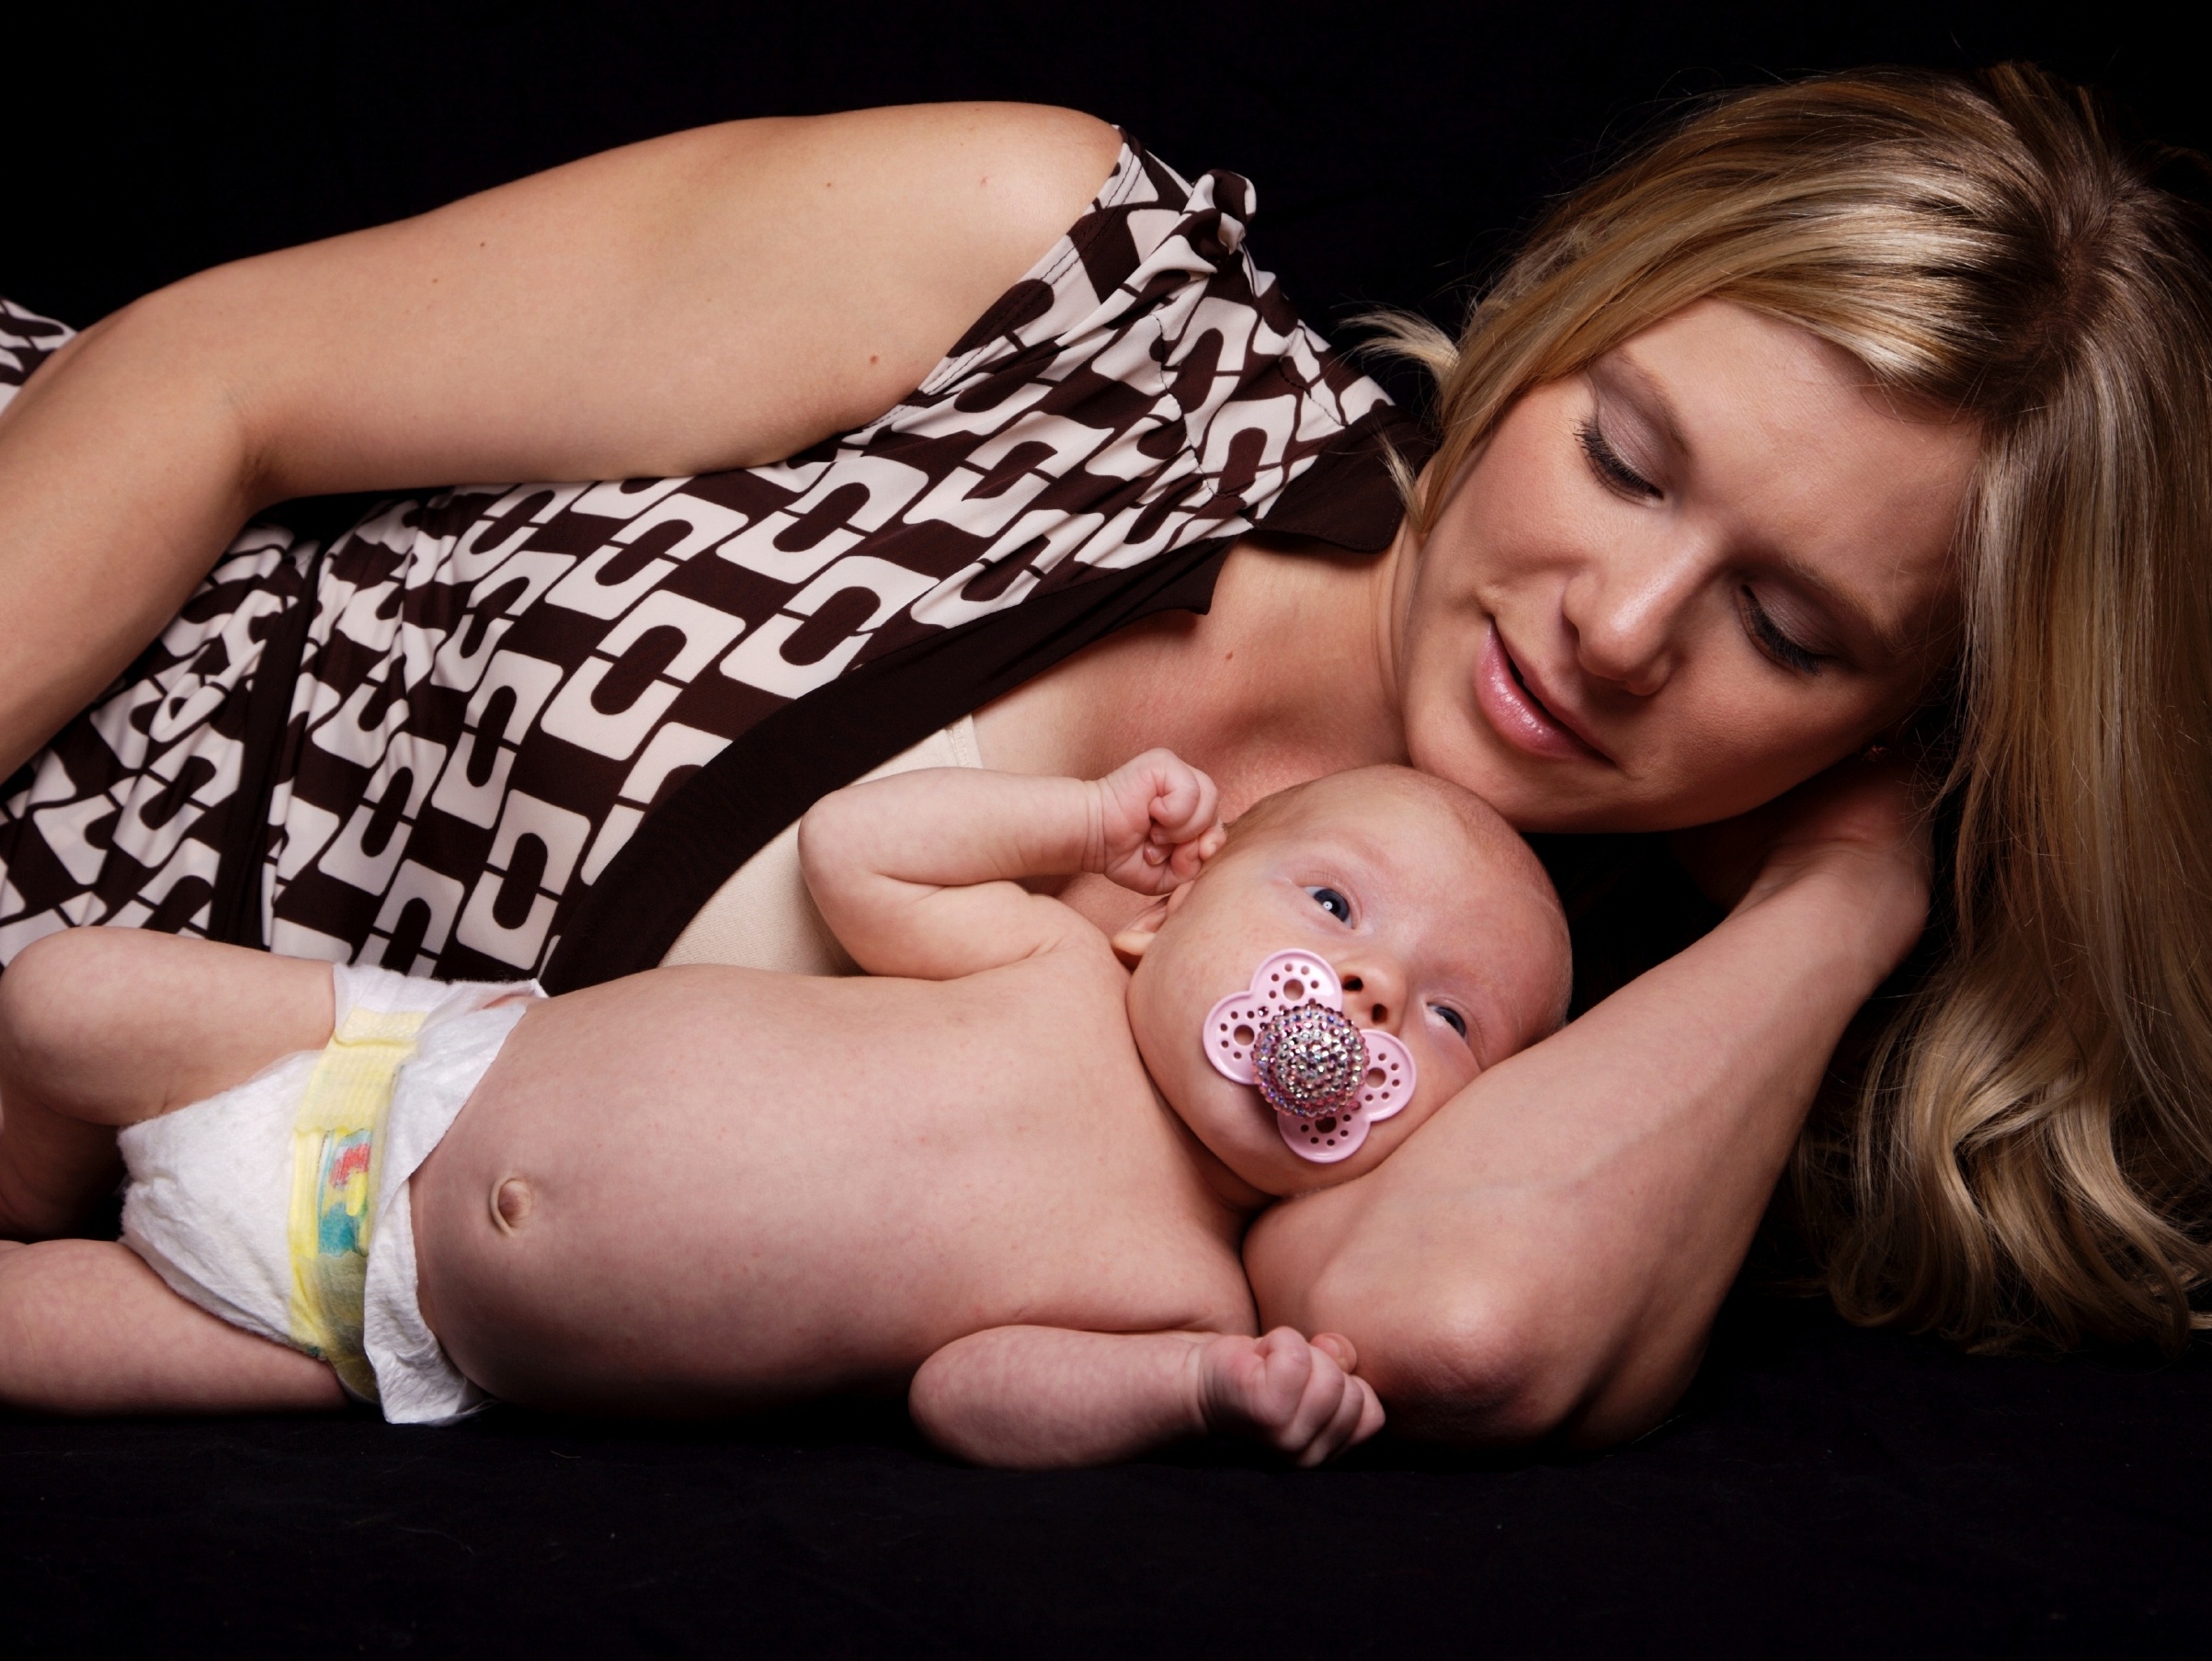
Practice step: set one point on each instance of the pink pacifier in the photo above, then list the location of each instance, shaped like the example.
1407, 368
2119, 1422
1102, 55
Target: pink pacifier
1327, 1079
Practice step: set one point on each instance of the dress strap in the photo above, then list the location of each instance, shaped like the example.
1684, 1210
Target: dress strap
235, 915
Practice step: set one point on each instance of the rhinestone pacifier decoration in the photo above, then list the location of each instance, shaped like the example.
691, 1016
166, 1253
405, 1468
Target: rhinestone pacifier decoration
1327, 1079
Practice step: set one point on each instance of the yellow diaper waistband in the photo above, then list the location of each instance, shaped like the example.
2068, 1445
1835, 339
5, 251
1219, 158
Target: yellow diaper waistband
337, 1170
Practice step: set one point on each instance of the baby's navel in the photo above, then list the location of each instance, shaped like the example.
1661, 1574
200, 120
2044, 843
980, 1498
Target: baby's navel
511, 1203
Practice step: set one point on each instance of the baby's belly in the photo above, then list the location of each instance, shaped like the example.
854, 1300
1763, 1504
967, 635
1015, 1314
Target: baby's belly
652, 1206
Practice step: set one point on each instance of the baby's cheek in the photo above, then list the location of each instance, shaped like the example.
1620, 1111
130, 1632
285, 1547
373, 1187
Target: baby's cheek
1443, 1078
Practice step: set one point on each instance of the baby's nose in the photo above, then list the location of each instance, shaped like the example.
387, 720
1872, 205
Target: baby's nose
1371, 996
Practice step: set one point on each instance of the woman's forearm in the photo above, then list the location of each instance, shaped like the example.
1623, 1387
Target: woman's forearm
1548, 1252
712, 299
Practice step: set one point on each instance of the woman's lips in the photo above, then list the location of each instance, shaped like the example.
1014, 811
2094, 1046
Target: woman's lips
1515, 711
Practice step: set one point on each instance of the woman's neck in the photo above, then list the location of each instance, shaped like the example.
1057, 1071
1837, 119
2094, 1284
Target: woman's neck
1290, 674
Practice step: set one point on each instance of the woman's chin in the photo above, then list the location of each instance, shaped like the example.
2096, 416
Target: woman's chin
1532, 792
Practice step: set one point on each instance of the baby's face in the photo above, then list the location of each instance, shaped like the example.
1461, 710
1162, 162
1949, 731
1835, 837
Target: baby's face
1444, 933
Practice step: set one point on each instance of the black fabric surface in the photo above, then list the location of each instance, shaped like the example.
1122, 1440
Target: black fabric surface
1824, 1491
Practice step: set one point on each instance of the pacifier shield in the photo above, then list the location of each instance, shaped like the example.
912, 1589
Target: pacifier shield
1326, 1078
1386, 1087
1284, 980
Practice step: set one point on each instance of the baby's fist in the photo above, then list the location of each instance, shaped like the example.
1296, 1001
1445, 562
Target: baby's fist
1156, 821
1299, 1398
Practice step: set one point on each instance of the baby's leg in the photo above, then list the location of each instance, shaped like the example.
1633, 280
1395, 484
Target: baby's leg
87, 1328
1039, 1396
106, 1027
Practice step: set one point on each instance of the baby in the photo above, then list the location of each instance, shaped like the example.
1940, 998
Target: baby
1009, 1168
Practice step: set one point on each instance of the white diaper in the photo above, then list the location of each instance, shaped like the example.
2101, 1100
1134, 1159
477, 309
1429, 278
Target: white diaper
217, 1191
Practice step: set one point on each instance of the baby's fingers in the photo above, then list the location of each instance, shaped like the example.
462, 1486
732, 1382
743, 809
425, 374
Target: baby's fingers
1358, 1415
1322, 1423
1322, 1389
1338, 1348
1186, 803
1186, 859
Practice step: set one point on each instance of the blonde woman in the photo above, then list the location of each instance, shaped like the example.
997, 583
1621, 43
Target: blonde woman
1854, 422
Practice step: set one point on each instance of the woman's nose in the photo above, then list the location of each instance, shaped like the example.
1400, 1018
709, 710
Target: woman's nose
1374, 993
1626, 623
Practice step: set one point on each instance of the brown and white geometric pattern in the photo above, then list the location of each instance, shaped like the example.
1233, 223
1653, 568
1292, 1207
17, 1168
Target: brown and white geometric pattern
26, 340
501, 681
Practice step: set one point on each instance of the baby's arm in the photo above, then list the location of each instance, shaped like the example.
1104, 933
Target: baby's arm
919, 874
1036, 1398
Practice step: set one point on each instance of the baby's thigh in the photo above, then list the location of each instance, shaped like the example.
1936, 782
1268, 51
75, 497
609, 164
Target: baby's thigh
116, 1025
85, 1327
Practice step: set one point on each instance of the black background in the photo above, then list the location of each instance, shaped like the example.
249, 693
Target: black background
1397, 146
1824, 1492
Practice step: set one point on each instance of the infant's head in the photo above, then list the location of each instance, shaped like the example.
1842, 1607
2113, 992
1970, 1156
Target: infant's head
1438, 923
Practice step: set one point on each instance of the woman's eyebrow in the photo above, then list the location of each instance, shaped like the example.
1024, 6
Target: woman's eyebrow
1848, 604
1621, 374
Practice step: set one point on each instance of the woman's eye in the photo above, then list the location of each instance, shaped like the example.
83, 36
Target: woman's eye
1451, 1017
1770, 640
1333, 903
1614, 473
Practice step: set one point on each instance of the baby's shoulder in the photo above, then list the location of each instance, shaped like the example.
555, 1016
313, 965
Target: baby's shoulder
1080, 962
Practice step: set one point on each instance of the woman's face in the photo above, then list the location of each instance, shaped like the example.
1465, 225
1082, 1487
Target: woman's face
1676, 585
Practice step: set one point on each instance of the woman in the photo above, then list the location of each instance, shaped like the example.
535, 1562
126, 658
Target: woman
1847, 408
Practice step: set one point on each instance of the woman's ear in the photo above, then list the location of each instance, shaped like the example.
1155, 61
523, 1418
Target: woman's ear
1136, 939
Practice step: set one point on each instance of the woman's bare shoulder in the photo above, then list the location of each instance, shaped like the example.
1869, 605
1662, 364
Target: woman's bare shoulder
1030, 163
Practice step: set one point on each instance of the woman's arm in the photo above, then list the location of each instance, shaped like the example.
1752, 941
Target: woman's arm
1547, 1253
714, 298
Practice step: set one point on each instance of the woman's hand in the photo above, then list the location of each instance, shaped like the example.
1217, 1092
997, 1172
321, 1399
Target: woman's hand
1865, 819
1159, 820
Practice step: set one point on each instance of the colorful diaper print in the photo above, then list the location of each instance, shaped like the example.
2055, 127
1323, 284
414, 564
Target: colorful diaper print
337, 1169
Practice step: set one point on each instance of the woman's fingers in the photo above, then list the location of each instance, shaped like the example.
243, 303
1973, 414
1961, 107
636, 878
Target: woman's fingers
1862, 805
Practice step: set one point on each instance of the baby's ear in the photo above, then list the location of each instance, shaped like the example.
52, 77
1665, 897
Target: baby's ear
1131, 944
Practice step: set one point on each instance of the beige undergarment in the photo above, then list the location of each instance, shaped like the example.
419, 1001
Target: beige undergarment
764, 918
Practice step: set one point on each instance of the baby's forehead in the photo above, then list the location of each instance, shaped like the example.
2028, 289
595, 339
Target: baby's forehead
1403, 826
1456, 860
1447, 866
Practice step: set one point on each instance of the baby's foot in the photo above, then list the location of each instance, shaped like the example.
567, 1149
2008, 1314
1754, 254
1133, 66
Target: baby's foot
1299, 1398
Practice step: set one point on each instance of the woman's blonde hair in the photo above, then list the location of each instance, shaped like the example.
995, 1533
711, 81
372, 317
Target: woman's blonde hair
2029, 1156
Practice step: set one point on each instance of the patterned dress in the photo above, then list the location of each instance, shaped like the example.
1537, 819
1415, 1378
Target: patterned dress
513, 729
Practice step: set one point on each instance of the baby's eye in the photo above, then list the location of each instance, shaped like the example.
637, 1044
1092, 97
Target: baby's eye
1333, 903
1451, 1017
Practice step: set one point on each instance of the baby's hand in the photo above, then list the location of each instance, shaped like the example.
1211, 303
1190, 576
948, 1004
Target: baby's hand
1156, 820
1299, 1398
